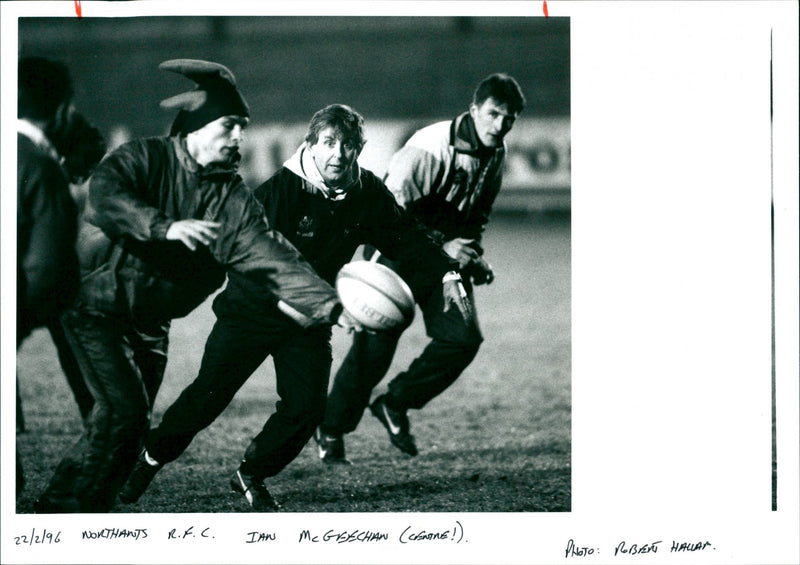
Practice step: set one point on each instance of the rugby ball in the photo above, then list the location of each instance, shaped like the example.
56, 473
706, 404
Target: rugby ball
375, 295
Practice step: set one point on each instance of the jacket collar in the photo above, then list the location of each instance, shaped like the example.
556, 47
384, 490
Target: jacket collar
302, 164
464, 137
188, 162
38, 137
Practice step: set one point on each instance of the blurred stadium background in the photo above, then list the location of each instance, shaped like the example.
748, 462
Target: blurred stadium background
399, 72
500, 438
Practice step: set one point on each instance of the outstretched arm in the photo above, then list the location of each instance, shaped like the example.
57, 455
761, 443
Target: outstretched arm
270, 263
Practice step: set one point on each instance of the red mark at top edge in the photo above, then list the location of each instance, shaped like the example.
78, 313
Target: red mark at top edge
78, 7
544, 8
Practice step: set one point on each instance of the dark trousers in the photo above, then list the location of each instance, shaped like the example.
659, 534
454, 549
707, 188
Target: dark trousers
66, 358
123, 369
235, 348
454, 344
72, 371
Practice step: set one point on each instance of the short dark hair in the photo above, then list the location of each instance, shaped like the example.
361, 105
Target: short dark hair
348, 122
43, 85
503, 88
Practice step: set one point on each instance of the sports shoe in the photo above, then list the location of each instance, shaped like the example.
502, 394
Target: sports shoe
396, 423
331, 448
254, 491
140, 478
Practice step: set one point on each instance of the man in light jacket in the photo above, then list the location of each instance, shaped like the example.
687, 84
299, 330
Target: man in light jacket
446, 177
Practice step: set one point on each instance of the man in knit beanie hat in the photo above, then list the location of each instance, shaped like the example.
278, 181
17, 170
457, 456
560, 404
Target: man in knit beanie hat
168, 217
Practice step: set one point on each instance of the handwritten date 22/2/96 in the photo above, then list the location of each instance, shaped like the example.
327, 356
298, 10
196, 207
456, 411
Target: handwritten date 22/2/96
38, 538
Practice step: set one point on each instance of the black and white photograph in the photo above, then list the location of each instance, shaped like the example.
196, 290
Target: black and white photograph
418, 109
400, 282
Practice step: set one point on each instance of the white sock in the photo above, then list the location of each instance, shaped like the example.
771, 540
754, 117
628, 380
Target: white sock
150, 460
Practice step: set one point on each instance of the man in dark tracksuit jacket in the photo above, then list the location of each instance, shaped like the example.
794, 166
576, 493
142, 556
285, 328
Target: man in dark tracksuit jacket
168, 218
326, 206
47, 266
446, 177
56, 146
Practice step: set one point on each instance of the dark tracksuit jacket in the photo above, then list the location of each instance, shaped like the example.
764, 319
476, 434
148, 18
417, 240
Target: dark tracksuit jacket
327, 232
47, 266
131, 272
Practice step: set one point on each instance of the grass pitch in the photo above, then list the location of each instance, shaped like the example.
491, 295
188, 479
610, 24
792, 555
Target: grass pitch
498, 440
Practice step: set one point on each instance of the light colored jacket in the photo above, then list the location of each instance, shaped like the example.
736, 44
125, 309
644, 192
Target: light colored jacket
447, 179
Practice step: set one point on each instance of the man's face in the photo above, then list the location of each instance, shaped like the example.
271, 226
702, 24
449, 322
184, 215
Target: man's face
217, 141
493, 121
334, 156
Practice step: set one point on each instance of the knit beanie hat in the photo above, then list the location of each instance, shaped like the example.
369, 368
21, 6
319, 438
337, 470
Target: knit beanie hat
214, 96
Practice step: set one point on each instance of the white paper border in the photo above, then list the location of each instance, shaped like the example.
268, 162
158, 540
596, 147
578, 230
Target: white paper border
670, 414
